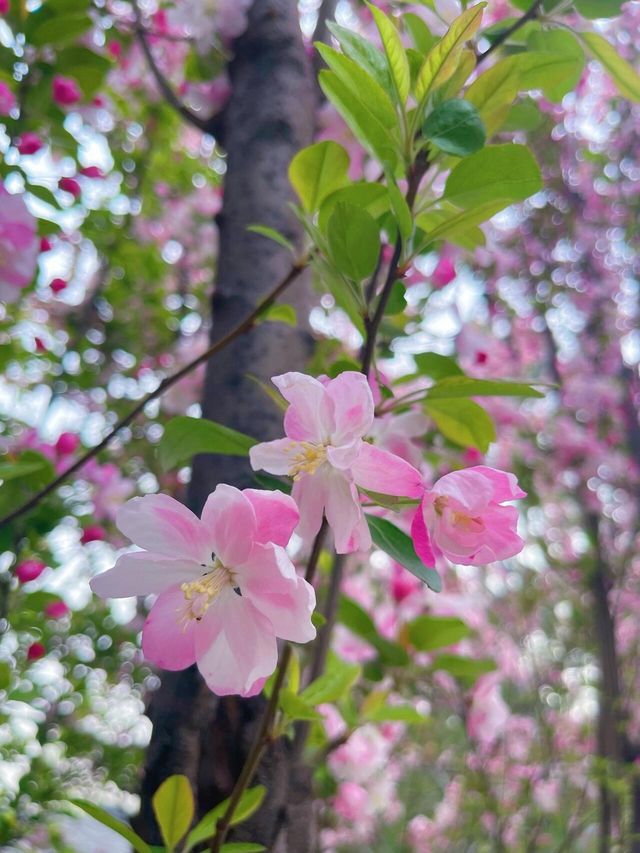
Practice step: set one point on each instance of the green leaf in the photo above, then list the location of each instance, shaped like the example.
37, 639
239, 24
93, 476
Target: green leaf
594, 9
113, 823
85, 66
184, 437
12, 470
317, 171
463, 422
397, 299
5, 675
333, 684
296, 708
524, 115
58, 29
443, 58
564, 45
392, 713
373, 198
432, 632
496, 172
279, 313
437, 366
358, 620
420, 33
394, 51
174, 809
241, 847
364, 54
250, 802
370, 94
621, 72
272, 234
464, 669
466, 386
455, 127
374, 136
399, 547
354, 241
458, 226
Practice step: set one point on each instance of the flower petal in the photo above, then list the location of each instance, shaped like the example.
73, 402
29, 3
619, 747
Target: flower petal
276, 515
231, 524
505, 484
471, 490
309, 416
309, 493
421, 540
276, 457
244, 652
143, 573
344, 514
166, 641
353, 406
379, 470
269, 580
163, 525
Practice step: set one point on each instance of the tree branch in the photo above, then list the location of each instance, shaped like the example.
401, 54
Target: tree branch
241, 328
529, 15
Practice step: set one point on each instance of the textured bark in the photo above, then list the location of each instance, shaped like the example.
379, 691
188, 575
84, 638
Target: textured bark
269, 117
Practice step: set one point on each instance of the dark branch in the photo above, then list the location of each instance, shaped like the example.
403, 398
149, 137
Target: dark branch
529, 15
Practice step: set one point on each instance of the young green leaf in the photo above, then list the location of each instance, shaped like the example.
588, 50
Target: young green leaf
364, 53
113, 823
317, 171
354, 241
296, 708
455, 127
399, 547
395, 53
358, 620
437, 366
250, 802
463, 422
467, 386
174, 809
272, 234
279, 313
396, 713
242, 847
465, 669
427, 633
332, 684
621, 72
373, 198
496, 172
563, 45
184, 437
594, 9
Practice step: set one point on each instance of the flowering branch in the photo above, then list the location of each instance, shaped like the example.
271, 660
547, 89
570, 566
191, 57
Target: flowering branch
238, 330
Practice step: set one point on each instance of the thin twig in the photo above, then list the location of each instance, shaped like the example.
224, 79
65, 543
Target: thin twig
242, 327
529, 15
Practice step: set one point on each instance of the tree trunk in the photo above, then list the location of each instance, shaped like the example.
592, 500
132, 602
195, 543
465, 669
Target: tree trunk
269, 118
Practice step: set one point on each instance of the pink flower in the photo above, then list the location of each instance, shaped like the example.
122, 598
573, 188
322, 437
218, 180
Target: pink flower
4, 7
327, 458
56, 609
58, 285
226, 586
7, 99
444, 273
67, 443
70, 185
65, 90
18, 245
29, 143
45, 244
93, 533
36, 651
29, 570
92, 172
464, 518
488, 712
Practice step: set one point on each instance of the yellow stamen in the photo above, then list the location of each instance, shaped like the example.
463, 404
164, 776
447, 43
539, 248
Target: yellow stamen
308, 459
200, 593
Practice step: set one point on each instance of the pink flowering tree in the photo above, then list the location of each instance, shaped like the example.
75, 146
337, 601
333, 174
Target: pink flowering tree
321, 372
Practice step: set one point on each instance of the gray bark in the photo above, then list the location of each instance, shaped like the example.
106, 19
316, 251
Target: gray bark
269, 118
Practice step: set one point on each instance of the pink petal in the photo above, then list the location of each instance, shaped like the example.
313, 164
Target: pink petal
505, 485
143, 573
379, 470
230, 522
166, 641
343, 457
276, 457
353, 406
421, 541
472, 491
308, 418
309, 493
270, 582
276, 515
350, 530
501, 539
163, 525
243, 653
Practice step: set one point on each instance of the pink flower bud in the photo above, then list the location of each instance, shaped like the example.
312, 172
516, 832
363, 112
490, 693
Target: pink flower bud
56, 609
67, 443
29, 570
4, 7
444, 272
92, 172
36, 651
65, 91
40, 345
114, 48
58, 285
7, 99
29, 143
45, 244
70, 185
93, 533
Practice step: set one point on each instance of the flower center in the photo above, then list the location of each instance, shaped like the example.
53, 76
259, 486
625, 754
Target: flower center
200, 593
462, 520
308, 459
